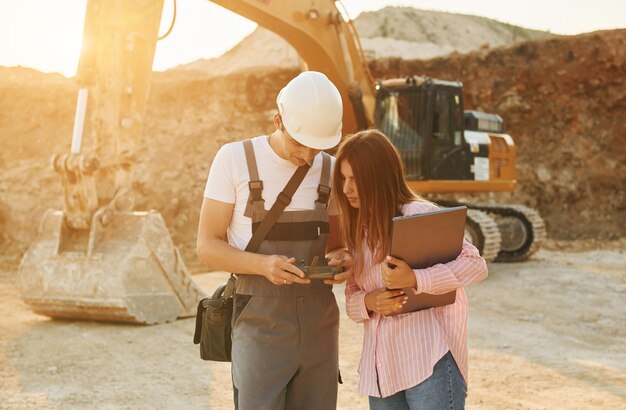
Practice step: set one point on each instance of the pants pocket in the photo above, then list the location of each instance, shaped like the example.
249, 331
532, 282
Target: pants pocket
240, 304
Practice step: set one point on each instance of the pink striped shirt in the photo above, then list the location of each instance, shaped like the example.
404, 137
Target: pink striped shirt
400, 351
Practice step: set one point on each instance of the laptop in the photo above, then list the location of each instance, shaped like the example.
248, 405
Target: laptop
424, 240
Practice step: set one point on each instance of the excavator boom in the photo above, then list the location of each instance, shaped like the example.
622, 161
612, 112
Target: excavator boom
326, 42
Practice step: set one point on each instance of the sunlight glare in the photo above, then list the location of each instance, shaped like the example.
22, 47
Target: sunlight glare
198, 33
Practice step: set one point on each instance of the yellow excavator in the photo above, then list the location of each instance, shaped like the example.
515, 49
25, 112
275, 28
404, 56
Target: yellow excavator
100, 259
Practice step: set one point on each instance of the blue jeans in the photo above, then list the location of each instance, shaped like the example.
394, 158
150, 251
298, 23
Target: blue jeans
444, 389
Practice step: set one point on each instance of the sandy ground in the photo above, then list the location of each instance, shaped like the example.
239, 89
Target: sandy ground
544, 334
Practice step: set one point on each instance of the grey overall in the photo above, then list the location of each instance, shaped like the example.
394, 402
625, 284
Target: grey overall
285, 338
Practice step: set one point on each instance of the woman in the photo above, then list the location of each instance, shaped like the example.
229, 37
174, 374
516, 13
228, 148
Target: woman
409, 360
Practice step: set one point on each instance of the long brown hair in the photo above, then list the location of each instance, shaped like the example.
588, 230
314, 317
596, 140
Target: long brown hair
382, 190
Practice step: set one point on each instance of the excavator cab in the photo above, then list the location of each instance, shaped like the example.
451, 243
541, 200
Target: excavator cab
424, 120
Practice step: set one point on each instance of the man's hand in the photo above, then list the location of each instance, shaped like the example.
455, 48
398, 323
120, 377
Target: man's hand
280, 270
398, 277
340, 257
385, 302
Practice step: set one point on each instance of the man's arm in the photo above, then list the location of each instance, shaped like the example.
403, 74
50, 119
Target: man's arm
215, 251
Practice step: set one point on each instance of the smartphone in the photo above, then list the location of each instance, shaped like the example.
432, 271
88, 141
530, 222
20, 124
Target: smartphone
323, 272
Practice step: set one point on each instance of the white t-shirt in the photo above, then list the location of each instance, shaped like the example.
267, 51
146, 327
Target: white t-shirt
228, 182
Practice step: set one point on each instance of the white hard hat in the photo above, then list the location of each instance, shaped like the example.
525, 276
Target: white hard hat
311, 109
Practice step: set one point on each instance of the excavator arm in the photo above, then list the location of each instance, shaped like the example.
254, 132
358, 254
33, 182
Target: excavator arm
97, 258
325, 42
115, 67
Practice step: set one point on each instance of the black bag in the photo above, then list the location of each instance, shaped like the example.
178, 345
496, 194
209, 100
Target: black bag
213, 323
214, 317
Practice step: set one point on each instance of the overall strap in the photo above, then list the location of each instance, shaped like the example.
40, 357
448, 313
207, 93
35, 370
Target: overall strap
283, 199
255, 185
323, 189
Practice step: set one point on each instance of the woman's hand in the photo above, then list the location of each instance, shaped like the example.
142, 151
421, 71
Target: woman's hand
399, 276
385, 302
280, 270
340, 257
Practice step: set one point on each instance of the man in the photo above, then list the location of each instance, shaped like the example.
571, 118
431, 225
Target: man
285, 326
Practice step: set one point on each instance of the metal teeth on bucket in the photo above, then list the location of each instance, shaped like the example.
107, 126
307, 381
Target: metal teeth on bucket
128, 271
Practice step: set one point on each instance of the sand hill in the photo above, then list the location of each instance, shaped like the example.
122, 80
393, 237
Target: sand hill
402, 32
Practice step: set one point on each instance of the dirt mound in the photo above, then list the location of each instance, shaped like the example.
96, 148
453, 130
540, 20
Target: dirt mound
564, 104
36, 115
262, 49
411, 33
402, 32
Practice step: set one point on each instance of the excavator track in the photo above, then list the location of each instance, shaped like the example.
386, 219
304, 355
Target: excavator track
521, 228
482, 231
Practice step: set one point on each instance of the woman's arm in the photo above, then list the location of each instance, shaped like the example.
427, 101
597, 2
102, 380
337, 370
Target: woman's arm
468, 268
362, 305
355, 301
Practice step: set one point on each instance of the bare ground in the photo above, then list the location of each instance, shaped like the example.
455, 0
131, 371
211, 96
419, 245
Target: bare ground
545, 334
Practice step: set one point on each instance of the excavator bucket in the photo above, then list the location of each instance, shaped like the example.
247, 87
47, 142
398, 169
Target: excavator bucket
127, 270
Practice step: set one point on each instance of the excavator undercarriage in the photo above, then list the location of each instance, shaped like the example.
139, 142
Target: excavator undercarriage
482, 231
521, 229
503, 233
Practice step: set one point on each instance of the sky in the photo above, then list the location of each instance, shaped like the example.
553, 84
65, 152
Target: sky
46, 34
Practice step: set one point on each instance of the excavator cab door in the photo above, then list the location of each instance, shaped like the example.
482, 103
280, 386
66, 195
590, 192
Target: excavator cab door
424, 121
400, 116
447, 150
